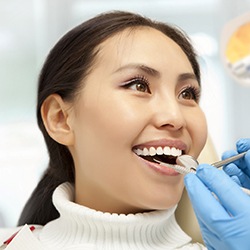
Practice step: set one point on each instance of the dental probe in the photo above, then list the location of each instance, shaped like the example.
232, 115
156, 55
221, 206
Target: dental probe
184, 159
219, 164
188, 164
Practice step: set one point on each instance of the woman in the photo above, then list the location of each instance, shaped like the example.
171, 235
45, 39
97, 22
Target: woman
114, 93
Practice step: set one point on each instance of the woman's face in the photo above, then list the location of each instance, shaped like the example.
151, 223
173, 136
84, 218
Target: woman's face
140, 97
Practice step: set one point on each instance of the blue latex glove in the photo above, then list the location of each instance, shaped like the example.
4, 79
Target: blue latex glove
239, 171
224, 223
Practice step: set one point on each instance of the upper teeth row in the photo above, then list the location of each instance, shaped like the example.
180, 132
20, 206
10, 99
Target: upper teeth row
158, 151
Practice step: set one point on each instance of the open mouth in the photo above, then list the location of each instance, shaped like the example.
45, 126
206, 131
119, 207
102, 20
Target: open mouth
166, 154
163, 158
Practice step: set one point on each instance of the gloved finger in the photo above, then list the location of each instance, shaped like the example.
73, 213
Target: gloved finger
243, 145
233, 170
236, 180
225, 189
207, 236
205, 205
243, 164
240, 163
228, 153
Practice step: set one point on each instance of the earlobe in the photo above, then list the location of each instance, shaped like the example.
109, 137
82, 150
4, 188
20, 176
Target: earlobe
55, 114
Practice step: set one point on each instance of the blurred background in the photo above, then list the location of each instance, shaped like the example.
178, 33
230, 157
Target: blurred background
29, 29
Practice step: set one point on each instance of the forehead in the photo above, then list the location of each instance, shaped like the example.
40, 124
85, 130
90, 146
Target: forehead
134, 38
143, 44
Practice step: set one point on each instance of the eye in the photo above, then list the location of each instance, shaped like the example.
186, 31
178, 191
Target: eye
139, 83
191, 93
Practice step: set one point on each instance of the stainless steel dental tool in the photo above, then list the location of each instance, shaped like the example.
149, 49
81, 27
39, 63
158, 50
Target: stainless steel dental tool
187, 164
191, 163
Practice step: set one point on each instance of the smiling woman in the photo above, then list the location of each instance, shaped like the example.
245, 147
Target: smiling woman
113, 92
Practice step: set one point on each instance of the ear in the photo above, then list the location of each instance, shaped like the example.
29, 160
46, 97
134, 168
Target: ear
56, 113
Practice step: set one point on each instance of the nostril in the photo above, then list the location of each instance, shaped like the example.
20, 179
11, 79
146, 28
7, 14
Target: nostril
172, 120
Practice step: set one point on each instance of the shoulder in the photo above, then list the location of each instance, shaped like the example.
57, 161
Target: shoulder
6, 233
16, 233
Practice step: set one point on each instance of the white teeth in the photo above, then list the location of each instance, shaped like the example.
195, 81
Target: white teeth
175, 151
152, 151
167, 151
139, 152
145, 152
158, 151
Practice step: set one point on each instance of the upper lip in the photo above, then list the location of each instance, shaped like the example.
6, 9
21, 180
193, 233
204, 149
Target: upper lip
163, 143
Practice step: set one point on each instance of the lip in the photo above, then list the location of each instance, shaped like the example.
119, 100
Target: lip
159, 168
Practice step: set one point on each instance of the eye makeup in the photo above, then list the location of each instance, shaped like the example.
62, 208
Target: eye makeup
191, 92
138, 83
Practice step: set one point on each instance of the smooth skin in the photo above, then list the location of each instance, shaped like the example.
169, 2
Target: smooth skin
141, 91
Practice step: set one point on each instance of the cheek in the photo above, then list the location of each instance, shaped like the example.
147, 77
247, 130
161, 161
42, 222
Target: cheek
120, 120
109, 123
104, 139
198, 130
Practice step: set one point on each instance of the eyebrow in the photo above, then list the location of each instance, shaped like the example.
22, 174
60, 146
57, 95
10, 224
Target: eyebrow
154, 72
141, 67
187, 76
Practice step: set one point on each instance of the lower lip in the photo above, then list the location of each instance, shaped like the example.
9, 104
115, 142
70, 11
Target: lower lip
159, 168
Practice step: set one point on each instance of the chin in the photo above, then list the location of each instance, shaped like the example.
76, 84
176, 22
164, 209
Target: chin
169, 199
163, 204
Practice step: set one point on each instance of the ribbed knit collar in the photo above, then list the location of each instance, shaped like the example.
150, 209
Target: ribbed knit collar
82, 226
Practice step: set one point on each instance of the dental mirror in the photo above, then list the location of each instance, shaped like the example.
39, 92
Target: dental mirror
187, 161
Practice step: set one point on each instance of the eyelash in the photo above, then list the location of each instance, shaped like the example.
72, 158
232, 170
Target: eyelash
194, 91
138, 80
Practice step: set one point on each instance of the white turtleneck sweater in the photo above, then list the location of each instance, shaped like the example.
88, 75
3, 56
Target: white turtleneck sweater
79, 227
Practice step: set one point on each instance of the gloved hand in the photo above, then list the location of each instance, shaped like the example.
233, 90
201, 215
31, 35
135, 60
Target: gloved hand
225, 219
239, 171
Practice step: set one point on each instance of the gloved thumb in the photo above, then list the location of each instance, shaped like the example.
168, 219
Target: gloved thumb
243, 145
223, 187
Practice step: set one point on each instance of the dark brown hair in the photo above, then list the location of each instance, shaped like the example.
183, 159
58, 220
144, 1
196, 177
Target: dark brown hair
63, 73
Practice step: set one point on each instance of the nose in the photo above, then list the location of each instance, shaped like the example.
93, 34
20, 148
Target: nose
170, 115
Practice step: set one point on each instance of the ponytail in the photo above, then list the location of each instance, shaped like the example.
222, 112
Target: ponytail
39, 209
39, 202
